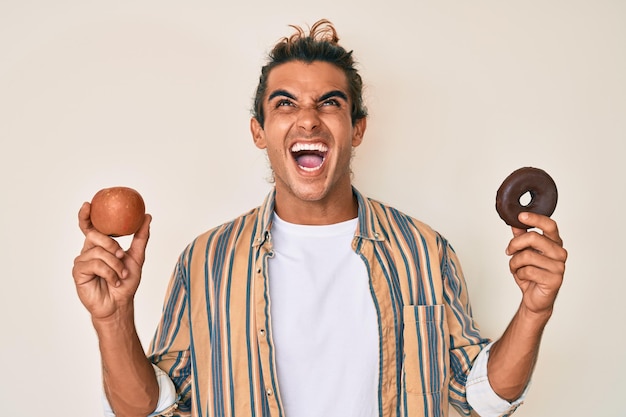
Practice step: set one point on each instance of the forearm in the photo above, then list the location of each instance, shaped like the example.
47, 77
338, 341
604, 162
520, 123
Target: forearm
129, 379
513, 357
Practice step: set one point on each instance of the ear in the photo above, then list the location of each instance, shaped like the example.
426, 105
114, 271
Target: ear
258, 134
359, 131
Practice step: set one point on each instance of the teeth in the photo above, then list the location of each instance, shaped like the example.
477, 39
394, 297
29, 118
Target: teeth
319, 147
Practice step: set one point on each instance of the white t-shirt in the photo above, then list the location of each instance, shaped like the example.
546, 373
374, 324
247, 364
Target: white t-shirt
324, 323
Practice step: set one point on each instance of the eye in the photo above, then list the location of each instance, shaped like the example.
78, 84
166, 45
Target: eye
331, 102
284, 102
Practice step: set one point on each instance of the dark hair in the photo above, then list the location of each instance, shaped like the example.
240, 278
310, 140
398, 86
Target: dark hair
321, 44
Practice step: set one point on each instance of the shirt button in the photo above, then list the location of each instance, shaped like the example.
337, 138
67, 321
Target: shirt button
258, 271
269, 392
262, 332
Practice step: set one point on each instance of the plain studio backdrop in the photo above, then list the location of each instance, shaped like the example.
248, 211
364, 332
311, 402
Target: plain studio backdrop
156, 95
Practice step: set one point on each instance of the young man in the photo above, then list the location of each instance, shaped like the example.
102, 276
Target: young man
320, 302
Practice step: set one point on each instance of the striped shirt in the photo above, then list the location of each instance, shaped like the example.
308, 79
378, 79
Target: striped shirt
215, 336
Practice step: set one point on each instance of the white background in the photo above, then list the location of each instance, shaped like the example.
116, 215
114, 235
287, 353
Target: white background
156, 95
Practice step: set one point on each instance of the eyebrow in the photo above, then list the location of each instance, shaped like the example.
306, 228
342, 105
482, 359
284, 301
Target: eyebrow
281, 93
326, 96
334, 93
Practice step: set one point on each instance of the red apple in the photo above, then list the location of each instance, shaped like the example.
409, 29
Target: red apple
117, 211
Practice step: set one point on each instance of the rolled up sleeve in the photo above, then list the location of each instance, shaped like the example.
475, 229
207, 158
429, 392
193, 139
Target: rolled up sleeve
481, 397
167, 396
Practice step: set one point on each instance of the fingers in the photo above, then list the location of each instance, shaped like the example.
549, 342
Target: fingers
539, 244
111, 256
104, 274
539, 221
528, 264
538, 261
103, 257
93, 239
548, 243
531, 248
99, 263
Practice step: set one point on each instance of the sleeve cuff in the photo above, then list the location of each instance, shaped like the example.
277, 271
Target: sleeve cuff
167, 396
481, 397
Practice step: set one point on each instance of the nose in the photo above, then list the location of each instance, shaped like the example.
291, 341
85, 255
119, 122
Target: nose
308, 118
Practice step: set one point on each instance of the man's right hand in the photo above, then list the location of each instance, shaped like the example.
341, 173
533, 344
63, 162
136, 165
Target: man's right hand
106, 276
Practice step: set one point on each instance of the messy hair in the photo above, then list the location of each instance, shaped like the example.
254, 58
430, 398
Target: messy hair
320, 44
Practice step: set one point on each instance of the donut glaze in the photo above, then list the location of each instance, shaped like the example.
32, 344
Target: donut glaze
536, 182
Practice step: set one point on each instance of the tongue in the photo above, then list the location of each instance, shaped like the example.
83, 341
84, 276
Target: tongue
310, 161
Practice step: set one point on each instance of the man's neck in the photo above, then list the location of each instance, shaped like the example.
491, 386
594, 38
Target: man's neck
331, 210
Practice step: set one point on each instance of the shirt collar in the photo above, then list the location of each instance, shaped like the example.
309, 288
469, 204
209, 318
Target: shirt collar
264, 219
368, 225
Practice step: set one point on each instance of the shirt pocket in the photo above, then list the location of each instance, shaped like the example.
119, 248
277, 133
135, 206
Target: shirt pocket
426, 362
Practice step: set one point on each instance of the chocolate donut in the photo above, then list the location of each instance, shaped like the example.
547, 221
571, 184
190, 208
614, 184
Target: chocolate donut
536, 182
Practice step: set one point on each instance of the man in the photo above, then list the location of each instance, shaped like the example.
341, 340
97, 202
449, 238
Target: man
320, 302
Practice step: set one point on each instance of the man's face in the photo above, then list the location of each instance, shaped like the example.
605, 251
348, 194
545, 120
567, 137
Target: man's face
308, 131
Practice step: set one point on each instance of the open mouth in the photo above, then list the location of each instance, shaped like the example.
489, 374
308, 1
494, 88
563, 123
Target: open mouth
309, 156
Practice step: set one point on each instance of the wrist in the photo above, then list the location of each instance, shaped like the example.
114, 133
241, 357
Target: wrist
123, 318
533, 318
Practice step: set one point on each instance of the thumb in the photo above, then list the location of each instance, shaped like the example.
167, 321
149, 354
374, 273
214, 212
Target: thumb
84, 218
522, 217
137, 249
